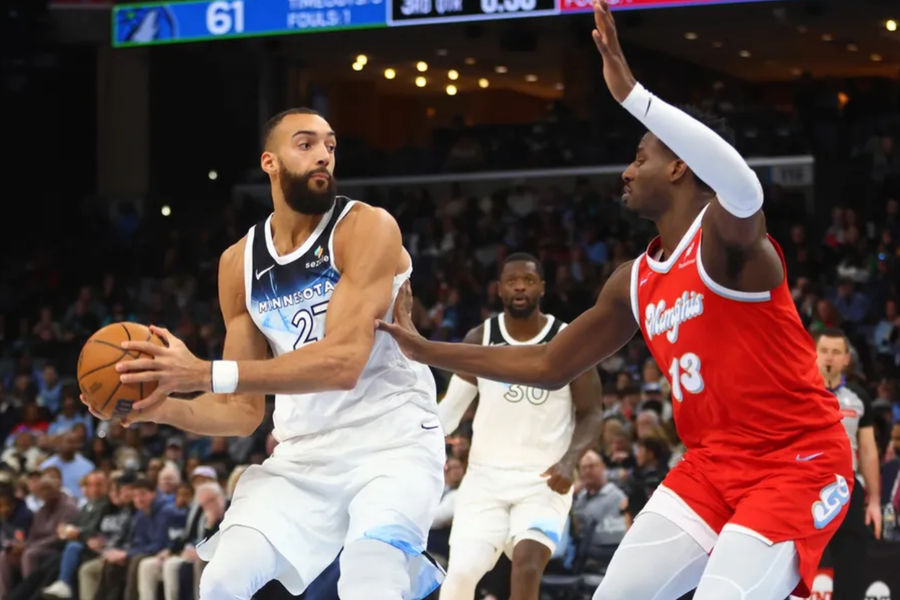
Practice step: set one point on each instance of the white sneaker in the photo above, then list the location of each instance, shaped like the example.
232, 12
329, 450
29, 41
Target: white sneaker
57, 589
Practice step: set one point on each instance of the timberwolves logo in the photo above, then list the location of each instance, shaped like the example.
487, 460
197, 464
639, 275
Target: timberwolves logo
137, 25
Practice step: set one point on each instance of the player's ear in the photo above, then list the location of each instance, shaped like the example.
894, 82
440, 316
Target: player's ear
268, 162
677, 170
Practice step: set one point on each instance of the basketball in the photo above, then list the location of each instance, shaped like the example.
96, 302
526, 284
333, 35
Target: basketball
97, 375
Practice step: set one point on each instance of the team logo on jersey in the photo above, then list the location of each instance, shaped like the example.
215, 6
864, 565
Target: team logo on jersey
832, 497
659, 319
321, 257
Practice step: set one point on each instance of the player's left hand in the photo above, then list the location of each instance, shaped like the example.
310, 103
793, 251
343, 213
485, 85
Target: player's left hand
173, 367
559, 477
873, 516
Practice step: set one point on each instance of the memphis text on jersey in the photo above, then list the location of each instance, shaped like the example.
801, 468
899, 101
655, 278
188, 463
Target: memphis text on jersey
659, 319
322, 288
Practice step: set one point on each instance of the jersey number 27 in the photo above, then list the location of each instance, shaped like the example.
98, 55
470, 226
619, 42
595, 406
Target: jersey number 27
305, 320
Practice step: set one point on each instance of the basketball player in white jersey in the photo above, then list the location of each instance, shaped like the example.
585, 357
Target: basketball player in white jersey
360, 460
526, 442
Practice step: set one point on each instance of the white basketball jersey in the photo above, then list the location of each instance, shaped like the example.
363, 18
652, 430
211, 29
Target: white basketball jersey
517, 426
288, 296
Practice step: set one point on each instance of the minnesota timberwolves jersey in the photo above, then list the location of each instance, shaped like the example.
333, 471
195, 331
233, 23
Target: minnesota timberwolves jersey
287, 297
517, 426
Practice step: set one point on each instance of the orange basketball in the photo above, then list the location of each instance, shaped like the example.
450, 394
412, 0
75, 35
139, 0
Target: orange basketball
97, 375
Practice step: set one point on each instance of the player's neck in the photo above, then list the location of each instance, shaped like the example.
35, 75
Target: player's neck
290, 229
523, 329
676, 221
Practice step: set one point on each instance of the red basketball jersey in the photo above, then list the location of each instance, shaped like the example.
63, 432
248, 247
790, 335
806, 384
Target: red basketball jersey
741, 366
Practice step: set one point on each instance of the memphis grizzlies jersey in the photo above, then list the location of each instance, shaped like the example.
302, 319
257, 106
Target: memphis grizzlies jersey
287, 297
517, 426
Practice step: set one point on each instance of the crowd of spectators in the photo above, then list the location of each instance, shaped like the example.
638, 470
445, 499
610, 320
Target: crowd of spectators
88, 505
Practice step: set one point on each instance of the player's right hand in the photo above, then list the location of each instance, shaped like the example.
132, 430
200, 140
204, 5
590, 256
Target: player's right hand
618, 76
402, 329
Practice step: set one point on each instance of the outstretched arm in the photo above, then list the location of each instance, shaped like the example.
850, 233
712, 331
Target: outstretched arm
734, 227
597, 333
370, 252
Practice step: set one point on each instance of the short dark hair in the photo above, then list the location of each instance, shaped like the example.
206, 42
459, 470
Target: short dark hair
834, 332
715, 122
142, 483
523, 257
274, 121
656, 445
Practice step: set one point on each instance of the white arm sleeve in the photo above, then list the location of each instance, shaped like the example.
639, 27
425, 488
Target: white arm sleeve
711, 158
459, 396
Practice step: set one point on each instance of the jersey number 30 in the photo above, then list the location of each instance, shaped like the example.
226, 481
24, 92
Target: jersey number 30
685, 372
305, 320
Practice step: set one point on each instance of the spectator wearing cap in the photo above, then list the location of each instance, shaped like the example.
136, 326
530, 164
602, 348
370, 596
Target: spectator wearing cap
21, 558
71, 464
174, 451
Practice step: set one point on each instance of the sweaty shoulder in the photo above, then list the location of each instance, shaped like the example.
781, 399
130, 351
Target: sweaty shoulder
364, 227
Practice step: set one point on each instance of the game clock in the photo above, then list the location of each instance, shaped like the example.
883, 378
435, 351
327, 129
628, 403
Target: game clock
409, 12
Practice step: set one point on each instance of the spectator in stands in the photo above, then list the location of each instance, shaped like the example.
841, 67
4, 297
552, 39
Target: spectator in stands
49, 388
850, 304
71, 464
149, 534
71, 415
10, 412
24, 455
167, 482
174, 451
210, 506
32, 421
886, 337
115, 530
651, 460
596, 510
21, 558
15, 518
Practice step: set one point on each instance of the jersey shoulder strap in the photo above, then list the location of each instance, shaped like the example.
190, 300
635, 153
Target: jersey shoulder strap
492, 334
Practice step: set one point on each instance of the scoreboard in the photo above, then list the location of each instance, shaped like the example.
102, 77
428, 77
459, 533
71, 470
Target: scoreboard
197, 20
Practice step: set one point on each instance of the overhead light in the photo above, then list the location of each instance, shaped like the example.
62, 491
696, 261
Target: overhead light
851, 47
717, 44
421, 81
362, 59
531, 78
213, 175
500, 69
483, 83
559, 86
744, 54
890, 25
166, 210
389, 73
843, 99
451, 90
421, 66
691, 35
357, 66
827, 37
441, 52
470, 60
452, 74
876, 57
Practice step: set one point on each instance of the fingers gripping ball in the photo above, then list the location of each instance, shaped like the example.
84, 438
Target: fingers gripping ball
97, 377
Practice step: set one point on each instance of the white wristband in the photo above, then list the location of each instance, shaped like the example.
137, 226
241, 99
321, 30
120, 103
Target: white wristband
224, 376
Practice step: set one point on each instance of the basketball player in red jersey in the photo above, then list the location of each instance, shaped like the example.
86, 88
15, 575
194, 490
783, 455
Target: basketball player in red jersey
764, 484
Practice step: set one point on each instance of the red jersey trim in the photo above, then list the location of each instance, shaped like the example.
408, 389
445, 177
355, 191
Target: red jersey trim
666, 265
721, 290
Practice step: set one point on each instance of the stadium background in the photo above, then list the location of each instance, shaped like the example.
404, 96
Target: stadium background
129, 169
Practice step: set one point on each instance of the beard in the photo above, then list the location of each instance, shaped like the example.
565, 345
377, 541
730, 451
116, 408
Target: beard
304, 198
520, 312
